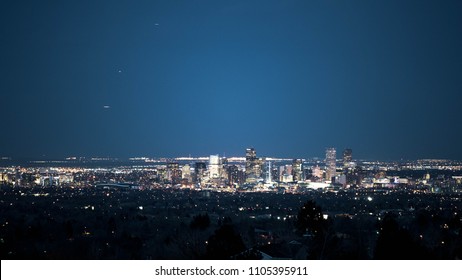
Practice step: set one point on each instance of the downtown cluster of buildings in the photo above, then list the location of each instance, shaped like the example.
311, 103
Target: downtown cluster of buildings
249, 173
253, 170
264, 173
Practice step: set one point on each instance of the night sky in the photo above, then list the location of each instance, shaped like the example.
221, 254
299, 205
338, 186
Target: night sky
174, 78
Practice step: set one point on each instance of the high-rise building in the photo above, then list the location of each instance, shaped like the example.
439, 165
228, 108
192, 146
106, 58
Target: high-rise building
281, 172
235, 176
199, 170
347, 158
275, 173
331, 156
250, 164
254, 166
268, 175
297, 169
316, 173
349, 168
307, 173
174, 172
286, 173
214, 167
186, 172
162, 175
259, 167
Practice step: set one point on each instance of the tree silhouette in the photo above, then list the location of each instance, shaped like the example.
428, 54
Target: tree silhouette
310, 219
224, 243
395, 242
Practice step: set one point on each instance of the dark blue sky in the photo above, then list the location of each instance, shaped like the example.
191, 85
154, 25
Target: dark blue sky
289, 78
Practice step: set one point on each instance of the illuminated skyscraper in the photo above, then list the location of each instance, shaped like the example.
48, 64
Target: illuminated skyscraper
347, 158
235, 176
331, 155
214, 166
259, 167
268, 176
297, 169
250, 164
174, 172
186, 172
199, 170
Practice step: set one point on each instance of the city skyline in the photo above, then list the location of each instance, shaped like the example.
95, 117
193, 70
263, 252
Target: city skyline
249, 173
290, 78
155, 209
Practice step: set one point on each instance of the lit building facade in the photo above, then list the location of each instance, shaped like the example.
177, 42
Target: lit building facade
331, 166
214, 167
297, 170
250, 164
347, 158
174, 172
199, 171
186, 172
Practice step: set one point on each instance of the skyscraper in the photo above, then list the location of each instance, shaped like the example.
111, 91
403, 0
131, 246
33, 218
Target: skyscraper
250, 164
316, 173
214, 166
347, 158
186, 172
268, 176
331, 155
199, 169
174, 172
259, 167
297, 169
235, 176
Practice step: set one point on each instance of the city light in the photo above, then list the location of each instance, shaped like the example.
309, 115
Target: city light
261, 197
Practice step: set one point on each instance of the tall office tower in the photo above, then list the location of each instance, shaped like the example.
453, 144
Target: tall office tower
174, 172
199, 170
347, 158
268, 176
331, 167
232, 174
259, 167
250, 164
275, 173
288, 169
281, 172
235, 176
297, 169
214, 167
162, 174
307, 173
186, 172
176, 176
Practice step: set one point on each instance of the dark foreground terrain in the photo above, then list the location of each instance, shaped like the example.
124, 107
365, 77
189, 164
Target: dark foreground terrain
90, 223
